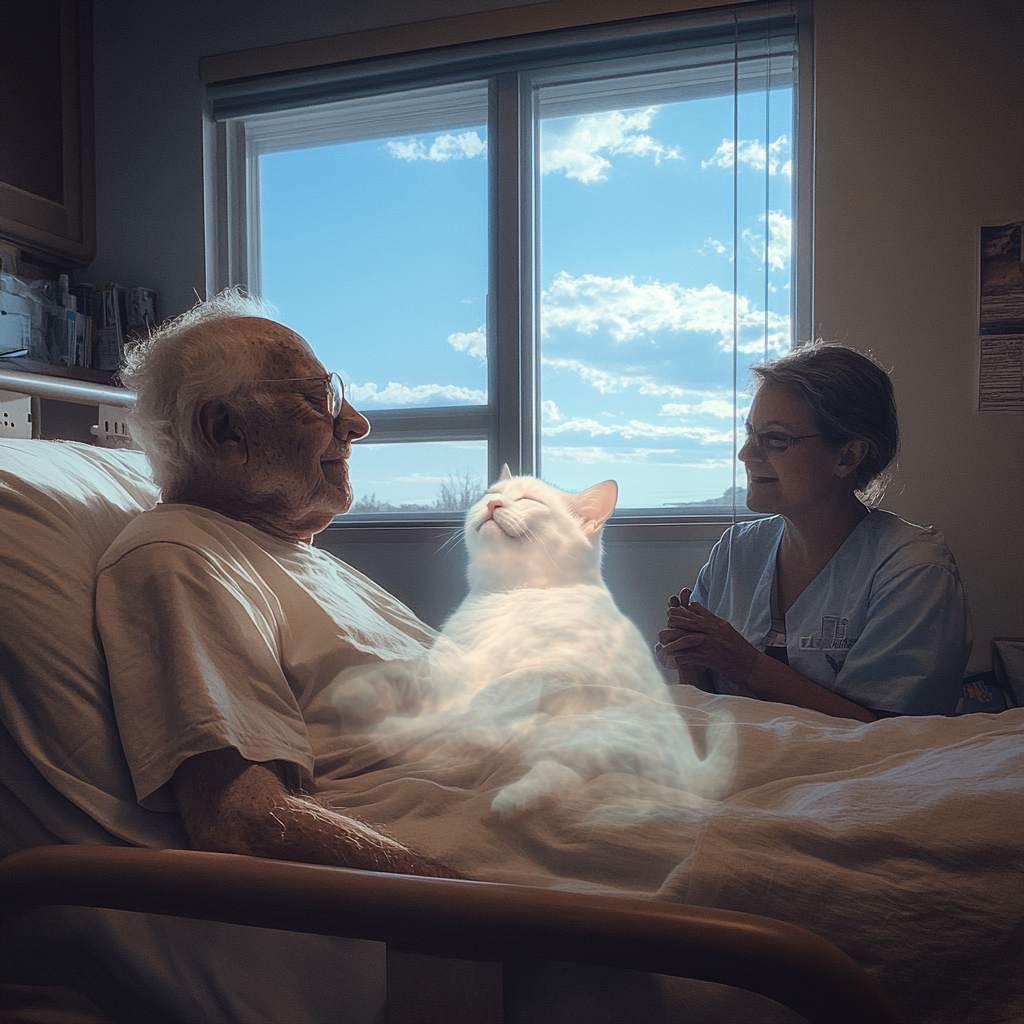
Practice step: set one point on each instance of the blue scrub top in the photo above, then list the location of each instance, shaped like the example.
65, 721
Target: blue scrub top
885, 624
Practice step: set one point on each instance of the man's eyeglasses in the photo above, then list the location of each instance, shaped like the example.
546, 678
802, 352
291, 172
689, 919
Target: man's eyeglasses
333, 385
773, 441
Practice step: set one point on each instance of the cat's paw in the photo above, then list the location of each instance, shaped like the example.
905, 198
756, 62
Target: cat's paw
545, 778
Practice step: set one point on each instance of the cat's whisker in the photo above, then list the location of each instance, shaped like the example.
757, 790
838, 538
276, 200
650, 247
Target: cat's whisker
453, 539
531, 536
540, 678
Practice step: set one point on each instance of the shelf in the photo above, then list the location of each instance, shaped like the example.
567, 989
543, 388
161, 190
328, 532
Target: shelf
52, 370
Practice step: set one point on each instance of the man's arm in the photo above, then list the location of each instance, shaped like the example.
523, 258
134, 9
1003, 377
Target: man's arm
231, 805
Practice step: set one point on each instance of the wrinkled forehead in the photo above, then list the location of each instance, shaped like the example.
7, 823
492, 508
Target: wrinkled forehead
280, 351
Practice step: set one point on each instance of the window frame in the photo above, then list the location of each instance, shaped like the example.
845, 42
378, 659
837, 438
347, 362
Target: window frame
510, 422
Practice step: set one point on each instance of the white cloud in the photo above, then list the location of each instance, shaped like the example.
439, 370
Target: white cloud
445, 147
716, 245
576, 148
589, 455
608, 382
780, 240
473, 343
402, 396
550, 411
419, 478
708, 464
752, 153
720, 407
636, 429
628, 311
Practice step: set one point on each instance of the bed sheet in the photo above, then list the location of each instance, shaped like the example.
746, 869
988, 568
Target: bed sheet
900, 840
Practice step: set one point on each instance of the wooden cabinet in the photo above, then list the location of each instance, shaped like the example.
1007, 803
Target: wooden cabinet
47, 165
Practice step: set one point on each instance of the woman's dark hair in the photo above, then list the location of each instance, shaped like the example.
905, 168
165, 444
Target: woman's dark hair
851, 398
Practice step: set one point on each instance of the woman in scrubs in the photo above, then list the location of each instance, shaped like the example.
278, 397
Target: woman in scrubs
827, 602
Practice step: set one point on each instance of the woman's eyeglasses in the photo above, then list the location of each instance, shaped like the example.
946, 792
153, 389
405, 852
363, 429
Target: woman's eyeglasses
333, 384
773, 441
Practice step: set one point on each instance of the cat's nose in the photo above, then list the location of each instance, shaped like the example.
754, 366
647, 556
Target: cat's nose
491, 506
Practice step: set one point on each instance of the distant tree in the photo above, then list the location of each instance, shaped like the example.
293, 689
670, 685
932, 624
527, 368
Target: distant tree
455, 494
371, 503
459, 492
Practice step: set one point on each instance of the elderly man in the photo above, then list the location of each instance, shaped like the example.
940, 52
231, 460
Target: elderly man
224, 630
222, 626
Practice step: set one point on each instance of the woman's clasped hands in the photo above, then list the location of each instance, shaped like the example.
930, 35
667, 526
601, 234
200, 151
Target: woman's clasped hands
697, 637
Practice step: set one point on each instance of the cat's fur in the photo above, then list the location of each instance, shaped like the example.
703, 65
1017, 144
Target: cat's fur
538, 672
537, 601
540, 618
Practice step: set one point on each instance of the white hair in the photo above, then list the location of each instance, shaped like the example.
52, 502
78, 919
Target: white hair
205, 353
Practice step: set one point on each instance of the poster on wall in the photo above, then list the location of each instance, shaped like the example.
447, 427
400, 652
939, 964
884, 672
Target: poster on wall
1001, 318
1002, 280
1001, 379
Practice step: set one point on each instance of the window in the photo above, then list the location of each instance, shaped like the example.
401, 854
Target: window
563, 255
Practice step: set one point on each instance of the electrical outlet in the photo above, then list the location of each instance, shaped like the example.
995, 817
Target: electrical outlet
15, 414
112, 429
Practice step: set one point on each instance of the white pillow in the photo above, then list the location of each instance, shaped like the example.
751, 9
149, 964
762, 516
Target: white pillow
61, 506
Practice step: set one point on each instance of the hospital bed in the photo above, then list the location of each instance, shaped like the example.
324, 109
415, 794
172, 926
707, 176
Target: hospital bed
62, 503
477, 923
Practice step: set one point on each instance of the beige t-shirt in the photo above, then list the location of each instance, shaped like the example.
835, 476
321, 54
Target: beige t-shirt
219, 635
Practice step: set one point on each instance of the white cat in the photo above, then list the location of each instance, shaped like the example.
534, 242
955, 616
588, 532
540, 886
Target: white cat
537, 602
540, 635
537, 676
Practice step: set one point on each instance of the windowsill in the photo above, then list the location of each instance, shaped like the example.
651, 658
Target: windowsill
438, 528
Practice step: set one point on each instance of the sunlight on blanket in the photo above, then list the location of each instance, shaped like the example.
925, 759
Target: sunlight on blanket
538, 736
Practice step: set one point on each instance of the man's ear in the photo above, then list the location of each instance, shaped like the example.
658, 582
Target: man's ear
851, 455
223, 430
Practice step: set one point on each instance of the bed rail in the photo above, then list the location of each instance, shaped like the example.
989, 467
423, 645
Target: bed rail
63, 389
476, 921
110, 430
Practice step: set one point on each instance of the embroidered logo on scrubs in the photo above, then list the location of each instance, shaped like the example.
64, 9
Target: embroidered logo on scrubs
831, 638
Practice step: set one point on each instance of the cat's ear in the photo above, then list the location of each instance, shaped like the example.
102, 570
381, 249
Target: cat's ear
594, 505
506, 473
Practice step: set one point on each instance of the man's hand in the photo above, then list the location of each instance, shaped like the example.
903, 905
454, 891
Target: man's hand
231, 805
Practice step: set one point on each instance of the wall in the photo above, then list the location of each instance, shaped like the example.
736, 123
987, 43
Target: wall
919, 141
919, 138
149, 153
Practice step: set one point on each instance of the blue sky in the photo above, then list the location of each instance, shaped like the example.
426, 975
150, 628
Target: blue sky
376, 252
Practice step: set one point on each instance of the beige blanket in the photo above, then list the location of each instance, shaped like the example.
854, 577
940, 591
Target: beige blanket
902, 841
